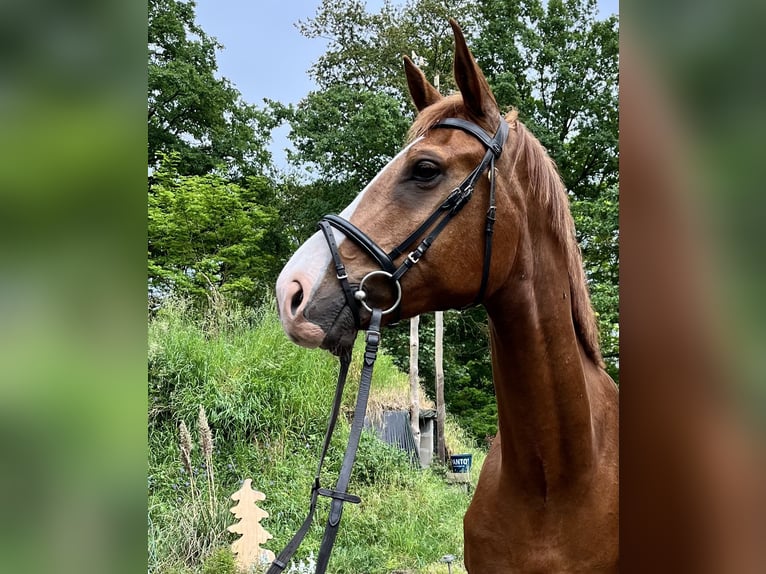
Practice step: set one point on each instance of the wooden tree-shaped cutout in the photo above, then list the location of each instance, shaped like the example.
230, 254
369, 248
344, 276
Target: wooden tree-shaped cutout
247, 548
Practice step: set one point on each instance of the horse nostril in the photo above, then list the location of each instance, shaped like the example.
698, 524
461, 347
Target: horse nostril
296, 300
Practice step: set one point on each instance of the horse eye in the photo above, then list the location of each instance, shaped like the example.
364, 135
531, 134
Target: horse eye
425, 171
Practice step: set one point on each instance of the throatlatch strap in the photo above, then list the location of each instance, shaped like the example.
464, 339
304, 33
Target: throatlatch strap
488, 231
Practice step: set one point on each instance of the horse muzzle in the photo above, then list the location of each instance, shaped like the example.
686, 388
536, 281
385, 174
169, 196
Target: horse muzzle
311, 306
292, 301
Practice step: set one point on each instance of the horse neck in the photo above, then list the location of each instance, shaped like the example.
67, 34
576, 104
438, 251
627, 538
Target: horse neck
541, 374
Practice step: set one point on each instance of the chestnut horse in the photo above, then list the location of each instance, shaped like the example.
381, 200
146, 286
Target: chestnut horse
547, 496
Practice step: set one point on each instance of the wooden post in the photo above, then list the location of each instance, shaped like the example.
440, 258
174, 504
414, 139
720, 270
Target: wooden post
414, 383
441, 412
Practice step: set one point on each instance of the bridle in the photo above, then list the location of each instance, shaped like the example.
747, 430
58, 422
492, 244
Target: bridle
356, 298
437, 221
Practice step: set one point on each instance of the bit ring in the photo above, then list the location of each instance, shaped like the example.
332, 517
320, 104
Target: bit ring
361, 295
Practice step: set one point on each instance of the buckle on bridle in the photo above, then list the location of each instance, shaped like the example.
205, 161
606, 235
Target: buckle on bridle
372, 336
453, 198
416, 256
461, 198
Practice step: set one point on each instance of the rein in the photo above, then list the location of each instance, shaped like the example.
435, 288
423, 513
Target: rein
356, 297
339, 495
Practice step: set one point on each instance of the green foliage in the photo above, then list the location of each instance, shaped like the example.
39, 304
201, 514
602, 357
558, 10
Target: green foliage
597, 224
378, 462
213, 219
251, 380
191, 111
365, 49
221, 561
267, 402
206, 232
343, 136
347, 134
468, 390
558, 66
184, 527
306, 203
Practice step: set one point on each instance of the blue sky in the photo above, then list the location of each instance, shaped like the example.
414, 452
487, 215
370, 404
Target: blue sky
265, 56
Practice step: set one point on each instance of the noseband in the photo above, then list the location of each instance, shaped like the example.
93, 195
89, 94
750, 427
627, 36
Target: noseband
437, 221
356, 297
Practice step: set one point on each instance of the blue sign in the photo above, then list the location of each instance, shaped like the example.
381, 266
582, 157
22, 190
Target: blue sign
461, 462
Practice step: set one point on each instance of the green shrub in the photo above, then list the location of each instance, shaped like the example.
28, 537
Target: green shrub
267, 402
377, 461
252, 381
220, 561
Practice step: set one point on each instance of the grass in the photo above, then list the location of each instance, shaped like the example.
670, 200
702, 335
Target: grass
266, 401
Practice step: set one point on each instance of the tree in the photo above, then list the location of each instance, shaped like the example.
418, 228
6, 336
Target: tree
365, 50
343, 136
205, 231
558, 66
191, 111
346, 135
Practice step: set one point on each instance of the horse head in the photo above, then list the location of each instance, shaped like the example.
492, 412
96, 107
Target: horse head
382, 229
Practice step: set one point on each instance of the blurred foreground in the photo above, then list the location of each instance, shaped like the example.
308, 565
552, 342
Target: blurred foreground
692, 338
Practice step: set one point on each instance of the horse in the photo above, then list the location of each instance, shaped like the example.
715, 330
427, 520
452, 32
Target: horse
547, 495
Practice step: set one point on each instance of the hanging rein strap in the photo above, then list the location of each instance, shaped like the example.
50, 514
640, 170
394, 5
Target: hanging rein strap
338, 494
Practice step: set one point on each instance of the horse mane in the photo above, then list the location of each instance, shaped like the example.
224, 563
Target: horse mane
546, 187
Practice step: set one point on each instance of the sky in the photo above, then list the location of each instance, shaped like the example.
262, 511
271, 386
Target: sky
264, 54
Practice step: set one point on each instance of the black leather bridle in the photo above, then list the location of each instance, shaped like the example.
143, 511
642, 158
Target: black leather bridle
436, 222
356, 298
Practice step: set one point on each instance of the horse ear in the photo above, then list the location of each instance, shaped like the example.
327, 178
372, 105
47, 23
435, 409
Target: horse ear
474, 87
422, 92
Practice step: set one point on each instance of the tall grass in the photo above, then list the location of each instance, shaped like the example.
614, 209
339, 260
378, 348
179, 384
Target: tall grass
266, 403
